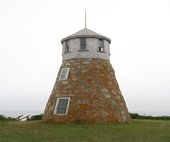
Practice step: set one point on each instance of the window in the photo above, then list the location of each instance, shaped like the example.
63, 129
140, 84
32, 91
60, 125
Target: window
64, 73
83, 43
66, 47
62, 106
101, 45
101, 49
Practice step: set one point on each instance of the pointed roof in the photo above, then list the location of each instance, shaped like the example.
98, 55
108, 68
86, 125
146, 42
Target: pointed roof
85, 33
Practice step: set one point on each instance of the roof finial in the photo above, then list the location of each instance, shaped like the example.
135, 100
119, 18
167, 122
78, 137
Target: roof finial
85, 20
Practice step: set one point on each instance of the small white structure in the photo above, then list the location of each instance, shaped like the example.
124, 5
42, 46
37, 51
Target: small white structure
86, 44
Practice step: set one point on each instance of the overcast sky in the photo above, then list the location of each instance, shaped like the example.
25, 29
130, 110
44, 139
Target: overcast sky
30, 48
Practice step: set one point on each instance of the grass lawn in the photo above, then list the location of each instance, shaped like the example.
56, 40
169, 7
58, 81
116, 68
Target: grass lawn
38, 131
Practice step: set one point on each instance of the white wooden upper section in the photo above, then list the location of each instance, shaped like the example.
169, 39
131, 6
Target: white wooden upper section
86, 44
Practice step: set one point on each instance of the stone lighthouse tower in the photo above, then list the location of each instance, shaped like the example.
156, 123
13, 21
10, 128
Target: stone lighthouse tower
86, 90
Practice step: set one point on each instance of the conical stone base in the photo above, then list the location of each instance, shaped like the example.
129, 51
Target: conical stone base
95, 97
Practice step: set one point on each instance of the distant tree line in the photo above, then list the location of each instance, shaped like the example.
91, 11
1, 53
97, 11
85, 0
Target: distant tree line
3, 118
137, 116
34, 117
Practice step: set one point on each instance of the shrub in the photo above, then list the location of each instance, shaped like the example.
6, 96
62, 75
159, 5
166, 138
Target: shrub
137, 116
36, 117
3, 118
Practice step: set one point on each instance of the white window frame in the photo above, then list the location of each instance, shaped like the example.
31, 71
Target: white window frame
66, 75
57, 102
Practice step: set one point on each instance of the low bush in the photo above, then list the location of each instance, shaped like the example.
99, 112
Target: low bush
3, 118
36, 117
137, 116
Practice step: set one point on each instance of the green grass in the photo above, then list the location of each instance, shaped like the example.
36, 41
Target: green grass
38, 131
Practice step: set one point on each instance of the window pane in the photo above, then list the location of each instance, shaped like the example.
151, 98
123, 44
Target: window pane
66, 47
83, 43
64, 73
62, 106
101, 45
83, 40
83, 46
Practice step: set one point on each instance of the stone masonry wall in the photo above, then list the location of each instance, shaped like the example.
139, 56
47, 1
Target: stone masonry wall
94, 92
